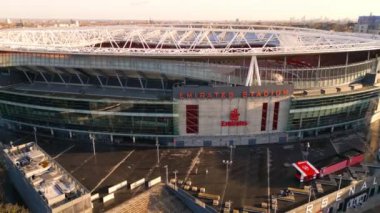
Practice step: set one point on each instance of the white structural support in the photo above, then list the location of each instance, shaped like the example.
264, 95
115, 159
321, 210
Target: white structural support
248, 80
186, 40
257, 71
253, 70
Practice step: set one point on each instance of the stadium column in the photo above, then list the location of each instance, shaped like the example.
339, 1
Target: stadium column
92, 138
79, 78
100, 81
253, 69
35, 134
257, 71
118, 78
43, 76
345, 68
317, 82
162, 83
319, 61
27, 76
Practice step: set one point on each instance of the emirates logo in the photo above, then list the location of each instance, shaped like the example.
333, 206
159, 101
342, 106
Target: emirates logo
234, 115
234, 119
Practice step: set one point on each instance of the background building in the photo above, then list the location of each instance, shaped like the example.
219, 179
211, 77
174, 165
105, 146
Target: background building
368, 24
187, 85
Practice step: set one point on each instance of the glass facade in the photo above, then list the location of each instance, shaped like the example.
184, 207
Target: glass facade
275, 115
209, 70
313, 113
303, 78
264, 117
138, 100
192, 119
197, 70
100, 115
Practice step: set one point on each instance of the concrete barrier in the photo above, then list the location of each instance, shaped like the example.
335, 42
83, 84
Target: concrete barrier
108, 197
117, 187
154, 181
208, 196
289, 198
200, 203
319, 188
191, 202
137, 183
264, 205
95, 196
299, 191
254, 209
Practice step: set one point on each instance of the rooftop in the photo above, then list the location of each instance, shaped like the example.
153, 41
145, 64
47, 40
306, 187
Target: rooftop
184, 39
51, 181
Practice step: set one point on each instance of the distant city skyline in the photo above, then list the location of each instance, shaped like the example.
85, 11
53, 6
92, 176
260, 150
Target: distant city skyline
188, 10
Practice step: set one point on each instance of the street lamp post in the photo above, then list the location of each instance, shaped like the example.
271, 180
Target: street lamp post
92, 138
228, 163
339, 185
231, 147
167, 173
35, 134
340, 181
158, 152
310, 189
268, 178
175, 178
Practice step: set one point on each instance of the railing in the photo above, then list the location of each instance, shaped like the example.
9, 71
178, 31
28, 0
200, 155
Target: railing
205, 71
190, 201
301, 78
305, 78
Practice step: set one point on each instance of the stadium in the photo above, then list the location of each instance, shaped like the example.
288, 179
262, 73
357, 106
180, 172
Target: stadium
187, 84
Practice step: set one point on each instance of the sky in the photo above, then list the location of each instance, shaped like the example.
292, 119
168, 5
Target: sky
188, 9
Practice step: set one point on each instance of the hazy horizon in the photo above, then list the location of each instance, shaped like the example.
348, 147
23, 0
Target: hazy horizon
250, 10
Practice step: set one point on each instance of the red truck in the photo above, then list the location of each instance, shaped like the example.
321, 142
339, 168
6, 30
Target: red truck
308, 171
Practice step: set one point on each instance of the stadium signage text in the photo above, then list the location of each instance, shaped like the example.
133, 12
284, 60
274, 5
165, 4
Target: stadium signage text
234, 119
231, 94
358, 195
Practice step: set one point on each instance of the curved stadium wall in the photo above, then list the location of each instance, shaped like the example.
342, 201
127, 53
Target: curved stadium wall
188, 100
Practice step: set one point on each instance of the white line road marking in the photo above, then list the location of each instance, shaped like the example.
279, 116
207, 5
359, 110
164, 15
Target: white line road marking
224, 193
246, 176
151, 170
268, 171
225, 188
194, 161
82, 164
112, 170
333, 145
366, 146
61, 153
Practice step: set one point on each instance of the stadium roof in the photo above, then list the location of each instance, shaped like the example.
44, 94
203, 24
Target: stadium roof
184, 40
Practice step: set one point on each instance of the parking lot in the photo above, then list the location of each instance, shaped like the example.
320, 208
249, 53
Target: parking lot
249, 182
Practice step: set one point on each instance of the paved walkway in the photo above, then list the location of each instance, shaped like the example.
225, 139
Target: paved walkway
156, 199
